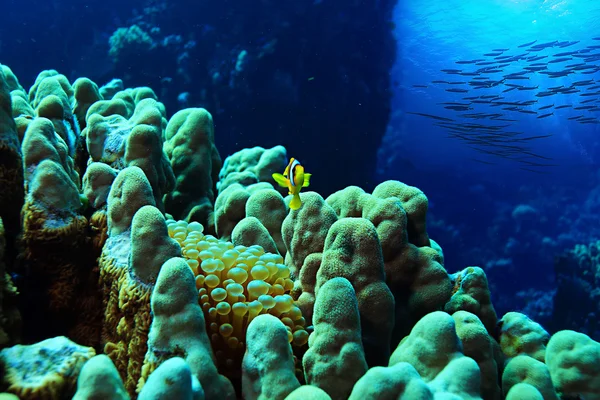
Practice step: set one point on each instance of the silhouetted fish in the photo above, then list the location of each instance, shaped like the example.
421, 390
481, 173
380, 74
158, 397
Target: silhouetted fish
533, 137
567, 53
544, 45
562, 59
458, 108
583, 83
481, 161
536, 69
569, 44
530, 43
536, 58
546, 107
430, 116
516, 73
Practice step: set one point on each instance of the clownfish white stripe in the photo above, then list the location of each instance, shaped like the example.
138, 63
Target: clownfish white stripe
292, 177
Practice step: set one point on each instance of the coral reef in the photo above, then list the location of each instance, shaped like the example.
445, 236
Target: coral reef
344, 298
11, 164
576, 302
10, 317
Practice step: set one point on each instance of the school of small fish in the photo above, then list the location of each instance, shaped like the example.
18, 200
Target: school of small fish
489, 75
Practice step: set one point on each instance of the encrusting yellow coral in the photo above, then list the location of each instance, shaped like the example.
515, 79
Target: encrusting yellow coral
236, 284
46, 370
137, 246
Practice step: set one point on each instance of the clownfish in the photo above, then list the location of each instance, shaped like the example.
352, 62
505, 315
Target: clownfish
294, 178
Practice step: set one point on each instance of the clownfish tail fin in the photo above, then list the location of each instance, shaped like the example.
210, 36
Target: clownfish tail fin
296, 202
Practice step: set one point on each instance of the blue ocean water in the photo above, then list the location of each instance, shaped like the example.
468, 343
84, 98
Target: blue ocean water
512, 209
434, 35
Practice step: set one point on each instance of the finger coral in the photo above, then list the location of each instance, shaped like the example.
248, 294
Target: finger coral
250, 166
52, 97
520, 335
99, 379
471, 293
54, 231
11, 165
268, 366
574, 363
352, 251
336, 358
527, 370
127, 131
189, 146
179, 329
